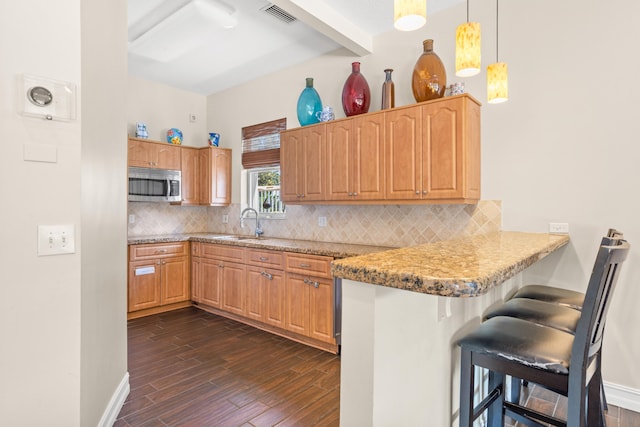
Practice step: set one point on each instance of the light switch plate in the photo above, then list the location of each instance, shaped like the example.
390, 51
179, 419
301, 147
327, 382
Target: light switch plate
56, 239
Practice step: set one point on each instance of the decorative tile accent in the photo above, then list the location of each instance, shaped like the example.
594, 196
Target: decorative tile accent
384, 225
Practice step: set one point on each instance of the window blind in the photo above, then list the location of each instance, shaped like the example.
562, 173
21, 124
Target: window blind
261, 144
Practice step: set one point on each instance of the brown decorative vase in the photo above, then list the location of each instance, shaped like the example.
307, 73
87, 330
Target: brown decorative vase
429, 76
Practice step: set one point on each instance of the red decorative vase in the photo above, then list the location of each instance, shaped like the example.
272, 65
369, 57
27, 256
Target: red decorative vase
356, 95
429, 76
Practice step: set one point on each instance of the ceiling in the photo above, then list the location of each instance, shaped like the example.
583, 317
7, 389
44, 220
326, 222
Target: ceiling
198, 55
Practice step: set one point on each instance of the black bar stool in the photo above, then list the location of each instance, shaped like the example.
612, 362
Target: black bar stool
557, 360
550, 306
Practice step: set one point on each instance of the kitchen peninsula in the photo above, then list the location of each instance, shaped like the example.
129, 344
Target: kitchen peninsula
403, 310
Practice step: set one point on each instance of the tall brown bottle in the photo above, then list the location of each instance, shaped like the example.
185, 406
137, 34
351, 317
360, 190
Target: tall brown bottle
429, 76
388, 91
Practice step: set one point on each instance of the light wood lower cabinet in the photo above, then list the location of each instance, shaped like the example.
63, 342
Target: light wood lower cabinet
159, 276
309, 296
288, 294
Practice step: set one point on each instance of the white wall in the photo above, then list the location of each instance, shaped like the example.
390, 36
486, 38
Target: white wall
103, 199
162, 107
558, 151
47, 351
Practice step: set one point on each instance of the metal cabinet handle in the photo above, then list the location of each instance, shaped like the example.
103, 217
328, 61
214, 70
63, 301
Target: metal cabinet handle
221, 265
264, 258
355, 194
267, 275
417, 191
161, 251
424, 191
303, 265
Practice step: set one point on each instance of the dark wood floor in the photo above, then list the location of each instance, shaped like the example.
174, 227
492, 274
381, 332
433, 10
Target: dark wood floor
549, 402
192, 368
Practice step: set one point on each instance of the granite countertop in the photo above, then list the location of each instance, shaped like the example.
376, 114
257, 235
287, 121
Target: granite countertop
453, 268
335, 250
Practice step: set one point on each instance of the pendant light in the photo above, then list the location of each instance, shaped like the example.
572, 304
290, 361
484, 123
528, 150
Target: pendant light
497, 76
468, 48
409, 15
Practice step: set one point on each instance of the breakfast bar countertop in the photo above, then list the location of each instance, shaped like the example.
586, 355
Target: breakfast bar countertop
464, 267
332, 249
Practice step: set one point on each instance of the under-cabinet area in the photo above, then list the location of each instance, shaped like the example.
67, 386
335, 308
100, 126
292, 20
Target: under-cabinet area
285, 293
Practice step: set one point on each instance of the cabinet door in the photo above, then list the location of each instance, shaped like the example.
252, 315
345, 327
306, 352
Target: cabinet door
221, 174
313, 166
297, 303
368, 158
289, 142
196, 279
210, 278
451, 150
215, 176
175, 280
140, 154
339, 155
255, 305
190, 176
403, 149
302, 164
204, 185
233, 288
321, 309
167, 156
144, 284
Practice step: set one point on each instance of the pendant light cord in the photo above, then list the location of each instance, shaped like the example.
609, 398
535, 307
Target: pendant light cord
497, 26
467, 10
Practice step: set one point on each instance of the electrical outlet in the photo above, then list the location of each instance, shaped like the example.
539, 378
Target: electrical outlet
193, 118
558, 228
132, 219
322, 221
225, 219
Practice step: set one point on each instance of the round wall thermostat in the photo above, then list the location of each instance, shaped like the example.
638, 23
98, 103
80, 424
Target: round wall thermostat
40, 96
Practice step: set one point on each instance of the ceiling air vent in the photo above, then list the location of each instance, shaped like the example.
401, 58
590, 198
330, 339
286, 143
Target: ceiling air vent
278, 13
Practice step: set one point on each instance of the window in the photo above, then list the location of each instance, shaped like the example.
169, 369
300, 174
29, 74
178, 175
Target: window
261, 159
263, 192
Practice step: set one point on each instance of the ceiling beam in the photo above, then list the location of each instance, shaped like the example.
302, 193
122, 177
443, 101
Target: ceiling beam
324, 19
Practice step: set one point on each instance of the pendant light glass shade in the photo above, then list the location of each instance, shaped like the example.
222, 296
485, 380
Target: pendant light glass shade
497, 83
468, 49
409, 15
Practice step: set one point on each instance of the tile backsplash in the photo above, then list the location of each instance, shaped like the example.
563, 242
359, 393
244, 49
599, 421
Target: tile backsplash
384, 225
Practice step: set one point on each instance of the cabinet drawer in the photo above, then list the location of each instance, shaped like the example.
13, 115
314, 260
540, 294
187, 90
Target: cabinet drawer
272, 259
228, 253
311, 265
158, 250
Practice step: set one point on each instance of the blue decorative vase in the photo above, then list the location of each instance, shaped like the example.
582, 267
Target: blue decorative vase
309, 104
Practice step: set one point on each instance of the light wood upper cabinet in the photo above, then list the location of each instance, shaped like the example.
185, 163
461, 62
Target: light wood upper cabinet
451, 143
302, 164
433, 151
214, 168
355, 158
190, 176
153, 154
422, 153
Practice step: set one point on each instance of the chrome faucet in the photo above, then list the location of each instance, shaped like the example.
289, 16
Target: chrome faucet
259, 231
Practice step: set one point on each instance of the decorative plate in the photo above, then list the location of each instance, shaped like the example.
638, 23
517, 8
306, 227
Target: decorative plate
174, 136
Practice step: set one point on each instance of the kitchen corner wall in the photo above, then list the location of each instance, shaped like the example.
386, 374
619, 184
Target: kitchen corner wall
383, 225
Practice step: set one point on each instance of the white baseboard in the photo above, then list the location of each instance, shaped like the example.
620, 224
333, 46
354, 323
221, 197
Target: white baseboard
622, 396
115, 404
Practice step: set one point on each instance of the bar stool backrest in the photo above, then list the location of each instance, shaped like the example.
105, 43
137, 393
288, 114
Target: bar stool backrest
588, 338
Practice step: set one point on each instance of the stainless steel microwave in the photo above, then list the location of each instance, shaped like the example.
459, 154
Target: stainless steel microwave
154, 185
